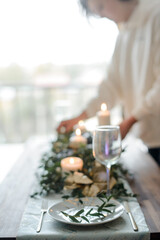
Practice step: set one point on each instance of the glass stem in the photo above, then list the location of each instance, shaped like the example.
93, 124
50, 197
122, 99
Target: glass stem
108, 167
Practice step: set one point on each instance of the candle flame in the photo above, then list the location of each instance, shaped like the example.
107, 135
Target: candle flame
81, 123
78, 132
103, 107
71, 160
94, 155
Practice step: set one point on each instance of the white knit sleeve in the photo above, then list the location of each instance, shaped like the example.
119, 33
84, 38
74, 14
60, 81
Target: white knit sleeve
109, 90
150, 104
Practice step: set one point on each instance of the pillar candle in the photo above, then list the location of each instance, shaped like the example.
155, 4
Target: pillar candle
77, 140
103, 115
72, 164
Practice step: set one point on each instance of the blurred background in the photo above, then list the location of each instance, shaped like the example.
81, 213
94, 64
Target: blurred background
52, 59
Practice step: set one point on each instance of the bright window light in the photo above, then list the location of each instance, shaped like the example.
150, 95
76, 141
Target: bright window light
35, 32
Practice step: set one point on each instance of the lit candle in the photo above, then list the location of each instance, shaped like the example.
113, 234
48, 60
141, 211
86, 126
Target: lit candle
72, 164
103, 115
81, 125
77, 140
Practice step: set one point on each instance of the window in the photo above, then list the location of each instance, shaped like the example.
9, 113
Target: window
49, 53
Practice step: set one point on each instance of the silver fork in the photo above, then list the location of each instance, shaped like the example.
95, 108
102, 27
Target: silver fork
44, 208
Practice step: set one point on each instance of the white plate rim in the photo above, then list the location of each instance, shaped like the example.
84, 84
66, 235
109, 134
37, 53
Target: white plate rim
53, 216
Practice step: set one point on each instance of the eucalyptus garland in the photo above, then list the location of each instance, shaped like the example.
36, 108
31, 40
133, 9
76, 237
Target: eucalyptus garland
51, 178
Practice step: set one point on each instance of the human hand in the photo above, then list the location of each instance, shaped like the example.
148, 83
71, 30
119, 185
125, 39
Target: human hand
126, 125
67, 125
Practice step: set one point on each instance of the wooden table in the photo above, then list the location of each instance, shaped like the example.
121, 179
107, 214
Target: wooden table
17, 186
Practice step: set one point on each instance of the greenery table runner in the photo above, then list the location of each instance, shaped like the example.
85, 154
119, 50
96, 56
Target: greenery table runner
90, 181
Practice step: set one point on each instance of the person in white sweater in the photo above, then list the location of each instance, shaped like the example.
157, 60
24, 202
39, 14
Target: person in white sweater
134, 74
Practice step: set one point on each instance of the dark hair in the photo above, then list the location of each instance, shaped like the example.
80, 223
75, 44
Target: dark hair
85, 8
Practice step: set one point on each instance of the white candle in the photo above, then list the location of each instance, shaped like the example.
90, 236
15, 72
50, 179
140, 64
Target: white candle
103, 115
72, 164
77, 140
81, 125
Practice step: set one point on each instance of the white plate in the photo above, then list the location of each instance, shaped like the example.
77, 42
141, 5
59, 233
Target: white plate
72, 206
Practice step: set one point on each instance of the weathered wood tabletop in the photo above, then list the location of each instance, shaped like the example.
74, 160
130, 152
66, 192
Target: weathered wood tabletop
17, 186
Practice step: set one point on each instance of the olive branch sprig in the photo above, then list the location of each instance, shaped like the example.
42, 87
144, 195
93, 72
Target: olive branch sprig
100, 209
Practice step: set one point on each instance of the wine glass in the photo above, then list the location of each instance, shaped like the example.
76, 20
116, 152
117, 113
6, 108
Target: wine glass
107, 147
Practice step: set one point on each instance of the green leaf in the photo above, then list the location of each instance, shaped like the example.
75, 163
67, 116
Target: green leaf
106, 210
89, 212
65, 214
110, 205
108, 198
79, 213
66, 196
83, 217
96, 214
101, 207
102, 199
80, 200
74, 219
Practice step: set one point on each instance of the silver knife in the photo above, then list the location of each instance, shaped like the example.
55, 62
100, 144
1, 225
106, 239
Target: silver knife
134, 225
44, 209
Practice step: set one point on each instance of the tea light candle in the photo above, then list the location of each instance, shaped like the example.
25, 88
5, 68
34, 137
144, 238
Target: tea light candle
103, 115
81, 125
72, 164
77, 140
